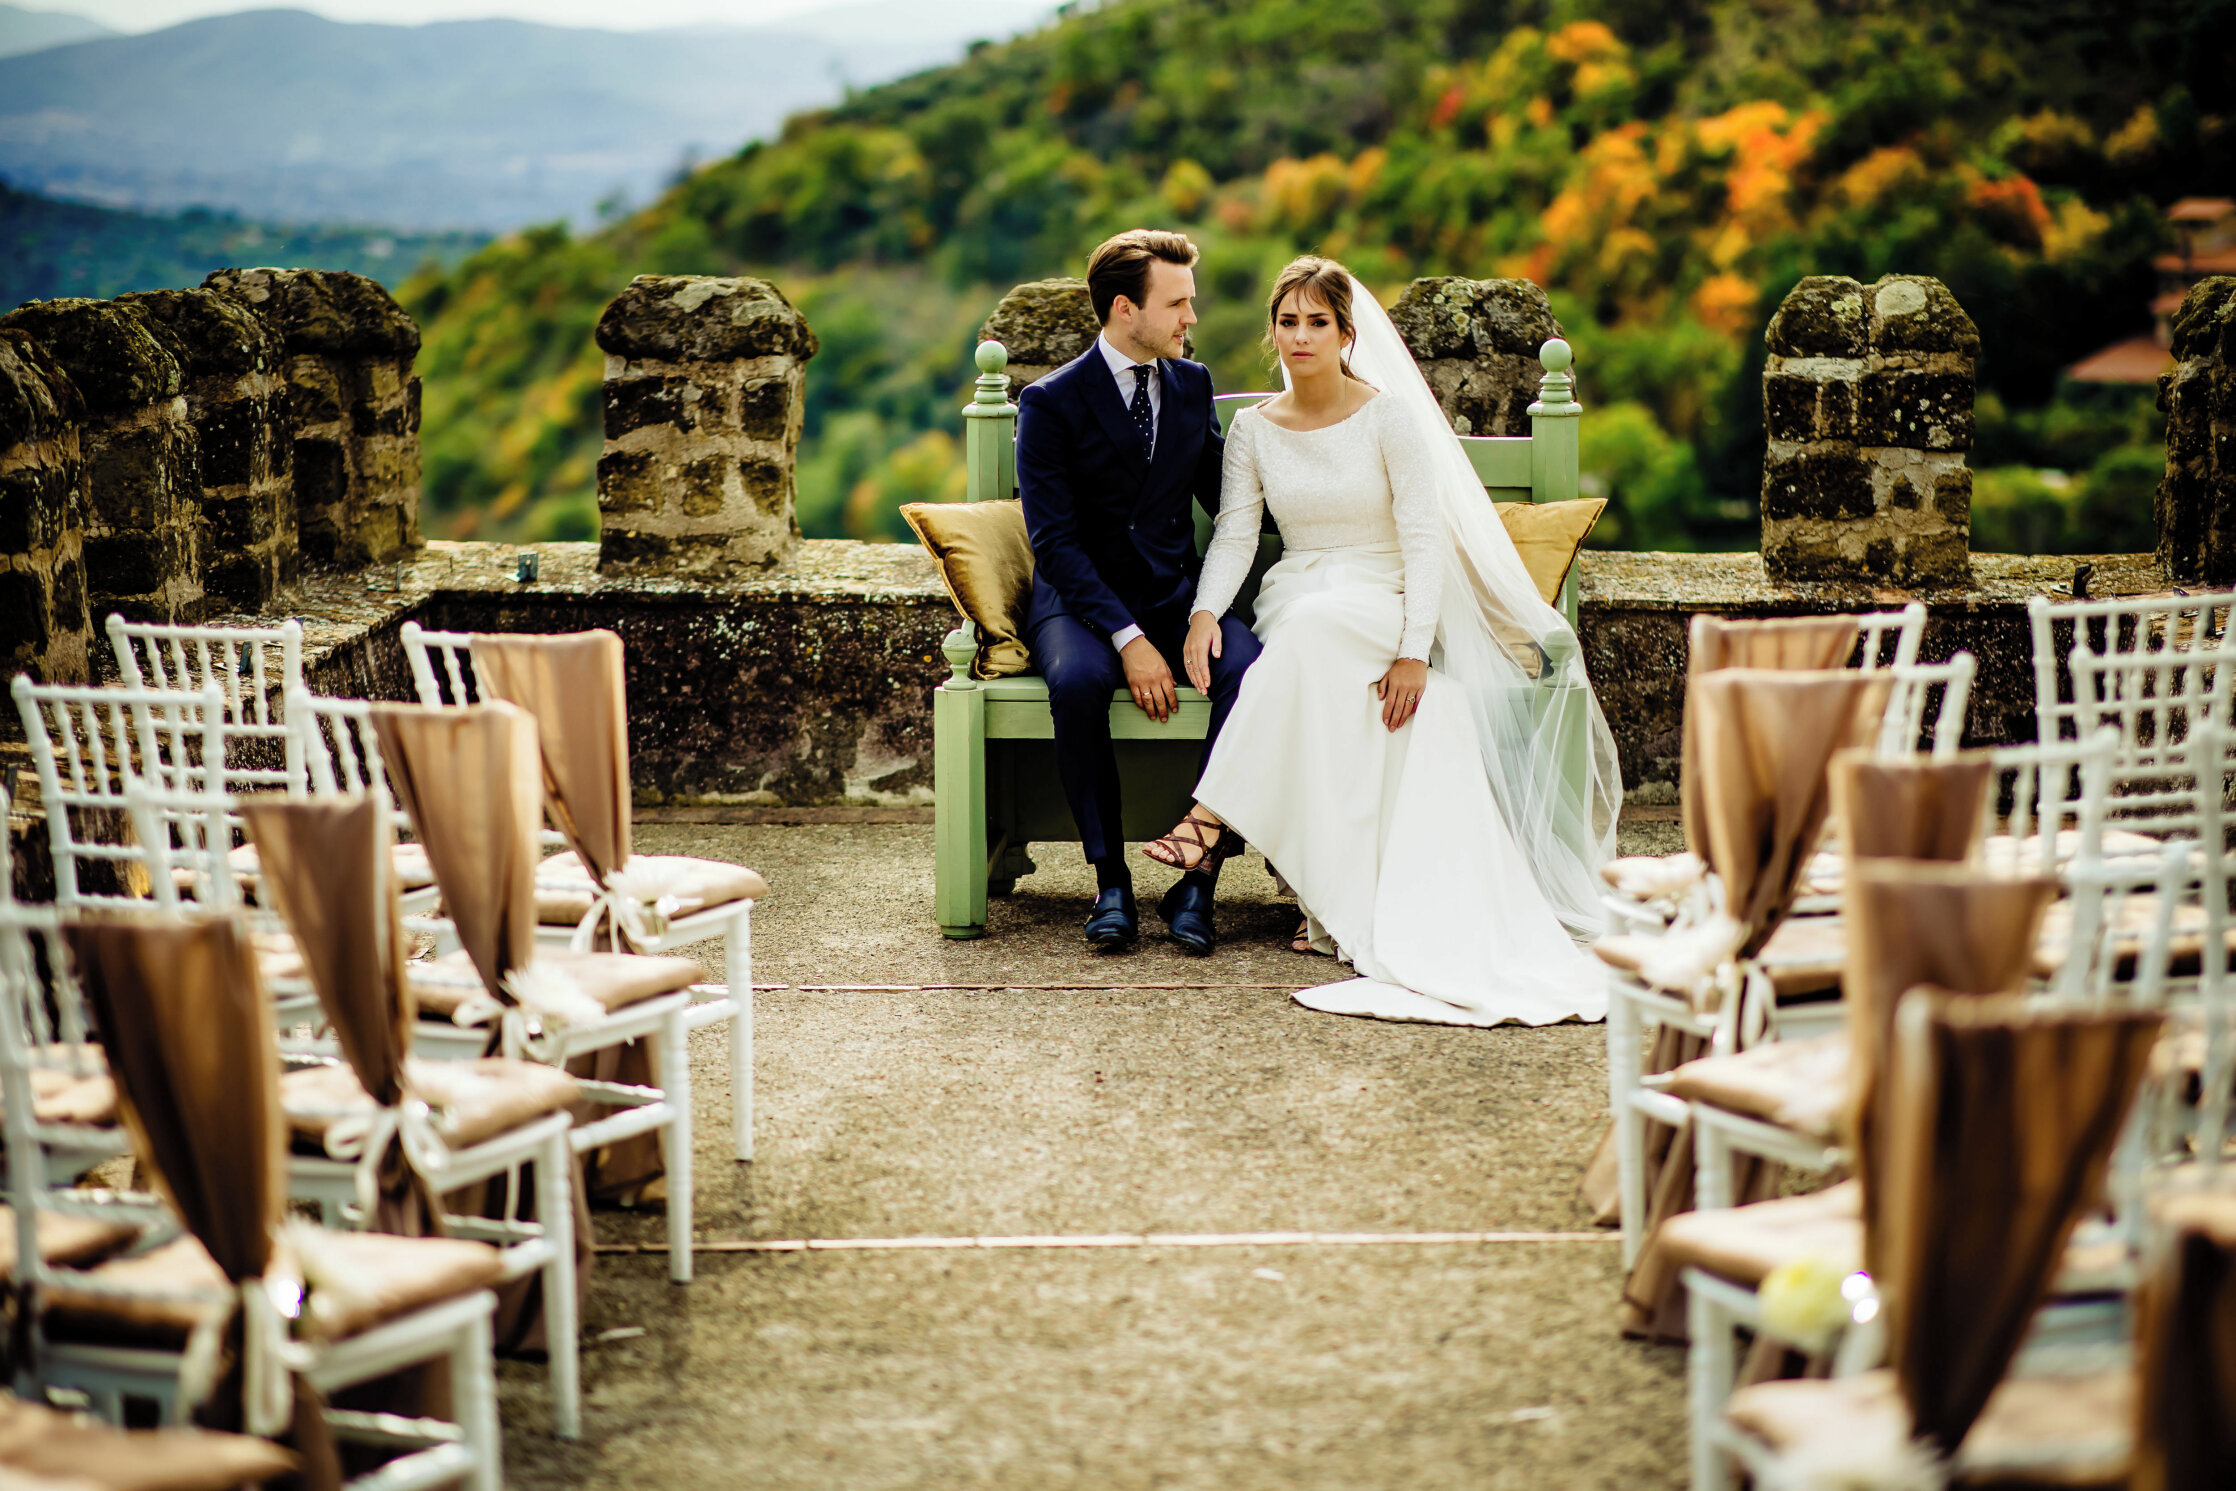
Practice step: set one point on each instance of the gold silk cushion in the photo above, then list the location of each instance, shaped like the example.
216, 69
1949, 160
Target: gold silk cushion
985, 560
1548, 536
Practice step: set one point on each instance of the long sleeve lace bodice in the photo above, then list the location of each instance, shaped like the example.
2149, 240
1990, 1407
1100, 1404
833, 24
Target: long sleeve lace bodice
1353, 484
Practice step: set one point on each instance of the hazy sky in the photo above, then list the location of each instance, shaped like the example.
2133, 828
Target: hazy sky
617, 15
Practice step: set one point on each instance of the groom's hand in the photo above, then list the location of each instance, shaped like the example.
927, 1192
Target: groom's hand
1203, 644
1149, 680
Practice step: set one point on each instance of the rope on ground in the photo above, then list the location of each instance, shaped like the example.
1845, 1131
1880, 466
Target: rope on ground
1021, 988
1113, 1240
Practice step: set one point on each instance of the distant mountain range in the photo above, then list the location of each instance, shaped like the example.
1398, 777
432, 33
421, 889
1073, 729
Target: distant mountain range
31, 30
50, 248
285, 116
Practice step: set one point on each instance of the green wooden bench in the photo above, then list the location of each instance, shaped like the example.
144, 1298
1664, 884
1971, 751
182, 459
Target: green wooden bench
994, 762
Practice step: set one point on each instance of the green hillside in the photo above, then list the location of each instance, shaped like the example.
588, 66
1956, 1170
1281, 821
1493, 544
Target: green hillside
51, 248
1667, 171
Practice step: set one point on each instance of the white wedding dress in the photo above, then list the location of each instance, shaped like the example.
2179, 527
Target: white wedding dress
1394, 842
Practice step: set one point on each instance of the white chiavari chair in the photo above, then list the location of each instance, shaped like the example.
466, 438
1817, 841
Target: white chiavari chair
253, 668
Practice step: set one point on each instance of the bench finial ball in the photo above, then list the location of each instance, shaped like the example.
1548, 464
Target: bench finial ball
992, 357
1555, 356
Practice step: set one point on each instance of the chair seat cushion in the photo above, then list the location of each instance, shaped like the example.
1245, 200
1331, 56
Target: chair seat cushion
82, 1094
473, 1100
66, 1240
618, 980
565, 891
384, 1277
2001, 854
1654, 877
2137, 918
408, 864
1745, 1243
39, 1443
1798, 1085
363, 1279
1805, 955
2035, 1431
163, 1312
615, 980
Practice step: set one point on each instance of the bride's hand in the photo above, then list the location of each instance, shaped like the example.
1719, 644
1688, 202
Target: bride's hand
1400, 690
1202, 646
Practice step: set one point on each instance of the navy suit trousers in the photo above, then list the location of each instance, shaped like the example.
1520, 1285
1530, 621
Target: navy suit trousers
1083, 671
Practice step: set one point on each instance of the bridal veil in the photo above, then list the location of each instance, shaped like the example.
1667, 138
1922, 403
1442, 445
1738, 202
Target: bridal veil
1546, 746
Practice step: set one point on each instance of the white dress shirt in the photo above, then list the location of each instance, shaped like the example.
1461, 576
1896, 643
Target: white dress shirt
1122, 369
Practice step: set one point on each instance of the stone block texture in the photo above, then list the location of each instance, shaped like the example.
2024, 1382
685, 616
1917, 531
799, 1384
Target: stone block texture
1477, 344
1042, 324
2197, 496
1867, 404
233, 367
346, 351
143, 486
45, 629
704, 391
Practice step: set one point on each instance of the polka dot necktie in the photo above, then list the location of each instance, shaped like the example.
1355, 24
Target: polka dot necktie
1140, 409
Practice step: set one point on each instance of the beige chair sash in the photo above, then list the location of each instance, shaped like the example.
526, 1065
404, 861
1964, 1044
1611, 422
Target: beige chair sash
576, 687
329, 873
1764, 741
1789, 643
471, 781
1913, 922
1912, 808
198, 1084
2001, 1125
2185, 1436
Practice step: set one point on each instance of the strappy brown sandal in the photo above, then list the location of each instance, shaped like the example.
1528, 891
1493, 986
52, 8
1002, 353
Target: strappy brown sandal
1187, 835
1302, 942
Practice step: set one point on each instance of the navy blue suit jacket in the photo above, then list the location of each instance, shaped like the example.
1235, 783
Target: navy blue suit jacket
1114, 544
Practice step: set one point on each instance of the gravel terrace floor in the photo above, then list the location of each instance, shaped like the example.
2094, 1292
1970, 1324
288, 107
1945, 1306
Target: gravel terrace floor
1110, 1110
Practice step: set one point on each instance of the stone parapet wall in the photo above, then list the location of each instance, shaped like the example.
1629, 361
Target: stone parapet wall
2197, 497
44, 627
353, 408
1867, 403
810, 683
704, 395
142, 485
1477, 344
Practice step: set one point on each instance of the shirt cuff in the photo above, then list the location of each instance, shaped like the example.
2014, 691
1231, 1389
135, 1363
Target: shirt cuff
1121, 637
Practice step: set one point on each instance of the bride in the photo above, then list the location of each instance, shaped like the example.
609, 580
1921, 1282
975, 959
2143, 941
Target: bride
1398, 752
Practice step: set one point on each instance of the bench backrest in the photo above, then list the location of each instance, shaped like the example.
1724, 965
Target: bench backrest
1538, 467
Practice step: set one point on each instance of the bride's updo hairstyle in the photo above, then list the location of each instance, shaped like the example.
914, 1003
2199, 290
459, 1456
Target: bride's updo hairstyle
1314, 278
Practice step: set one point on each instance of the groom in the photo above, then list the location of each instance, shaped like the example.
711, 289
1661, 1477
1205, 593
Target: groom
1110, 448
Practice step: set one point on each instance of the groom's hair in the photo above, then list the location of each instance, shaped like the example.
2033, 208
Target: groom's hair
1120, 264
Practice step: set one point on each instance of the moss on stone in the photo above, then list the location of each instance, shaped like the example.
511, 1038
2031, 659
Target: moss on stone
1447, 316
37, 398
1916, 313
2205, 325
106, 348
211, 335
1043, 323
1822, 316
322, 310
699, 318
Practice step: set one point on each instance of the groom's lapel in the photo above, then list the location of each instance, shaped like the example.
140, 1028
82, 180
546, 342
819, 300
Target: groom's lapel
1110, 412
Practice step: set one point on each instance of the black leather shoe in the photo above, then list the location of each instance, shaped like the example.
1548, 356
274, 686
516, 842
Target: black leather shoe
1186, 909
1114, 922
